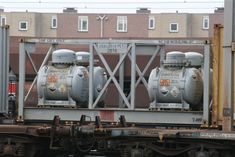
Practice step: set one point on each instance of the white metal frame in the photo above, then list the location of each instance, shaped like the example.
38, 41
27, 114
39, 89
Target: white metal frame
152, 18
126, 48
124, 22
54, 17
82, 19
26, 26
174, 31
4, 68
205, 19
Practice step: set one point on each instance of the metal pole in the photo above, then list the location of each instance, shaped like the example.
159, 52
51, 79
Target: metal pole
121, 81
133, 75
91, 74
229, 38
102, 18
4, 68
206, 84
21, 80
101, 26
1, 71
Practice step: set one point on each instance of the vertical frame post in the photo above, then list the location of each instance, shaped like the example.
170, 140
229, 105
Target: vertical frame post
21, 80
1, 71
91, 75
229, 38
133, 75
206, 84
121, 80
4, 68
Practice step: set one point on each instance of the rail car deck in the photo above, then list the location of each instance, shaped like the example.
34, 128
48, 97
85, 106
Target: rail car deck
112, 115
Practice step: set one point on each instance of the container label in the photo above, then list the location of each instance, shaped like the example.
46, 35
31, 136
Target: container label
112, 48
165, 82
52, 79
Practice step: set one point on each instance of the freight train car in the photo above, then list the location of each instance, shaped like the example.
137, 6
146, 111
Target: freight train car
180, 120
169, 126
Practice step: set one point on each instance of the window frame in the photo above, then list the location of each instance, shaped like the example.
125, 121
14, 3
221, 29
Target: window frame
154, 23
23, 29
54, 17
3, 17
204, 18
82, 19
174, 31
123, 20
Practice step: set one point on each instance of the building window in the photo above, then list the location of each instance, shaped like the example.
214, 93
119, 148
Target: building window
83, 23
23, 25
151, 23
174, 27
54, 22
205, 22
3, 20
121, 24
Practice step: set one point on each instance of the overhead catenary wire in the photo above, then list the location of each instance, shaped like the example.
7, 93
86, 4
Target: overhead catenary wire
112, 6
104, 8
110, 2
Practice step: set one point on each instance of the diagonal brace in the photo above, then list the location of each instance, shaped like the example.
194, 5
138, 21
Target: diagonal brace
141, 74
112, 77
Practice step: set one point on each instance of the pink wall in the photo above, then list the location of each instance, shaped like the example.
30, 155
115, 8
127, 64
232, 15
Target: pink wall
68, 26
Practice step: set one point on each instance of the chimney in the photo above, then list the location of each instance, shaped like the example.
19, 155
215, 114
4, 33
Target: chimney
70, 10
219, 10
143, 11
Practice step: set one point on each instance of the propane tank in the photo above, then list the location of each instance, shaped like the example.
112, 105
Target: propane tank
64, 82
100, 76
178, 83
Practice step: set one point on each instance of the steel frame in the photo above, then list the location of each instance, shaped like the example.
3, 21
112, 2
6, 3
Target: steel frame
229, 39
127, 49
206, 84
4, 68
143, 116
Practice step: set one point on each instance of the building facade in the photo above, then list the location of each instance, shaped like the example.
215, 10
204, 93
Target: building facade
142, 24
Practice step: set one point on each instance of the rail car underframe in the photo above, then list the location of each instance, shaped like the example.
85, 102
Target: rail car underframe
41, 130
129, 136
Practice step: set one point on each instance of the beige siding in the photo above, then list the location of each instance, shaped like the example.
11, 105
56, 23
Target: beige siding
13, 20
197, 29
46, 30
163, 25
157, 31
39, 24
190, 25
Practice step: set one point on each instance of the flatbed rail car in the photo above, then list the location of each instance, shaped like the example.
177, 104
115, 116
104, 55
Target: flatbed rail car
125, 131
